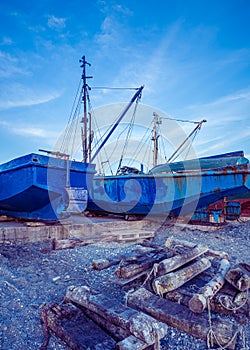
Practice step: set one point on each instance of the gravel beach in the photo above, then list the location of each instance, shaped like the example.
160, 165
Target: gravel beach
33, 275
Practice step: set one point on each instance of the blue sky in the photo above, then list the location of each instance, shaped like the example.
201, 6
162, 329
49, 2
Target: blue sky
192, 56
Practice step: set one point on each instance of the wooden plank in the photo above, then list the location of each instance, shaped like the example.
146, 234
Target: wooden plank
174, 280
170, 264
136, 264
137, 323
198, 302
173, 243
101, 264
181, 317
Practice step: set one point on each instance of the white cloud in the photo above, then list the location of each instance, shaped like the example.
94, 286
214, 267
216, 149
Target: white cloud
56, 22
18, 95
6, 41
29, 131
10, 66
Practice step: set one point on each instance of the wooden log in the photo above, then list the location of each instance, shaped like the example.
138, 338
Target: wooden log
198, 302
181, 317
170, 264
137, 323
172, 243
174, 280
137, 264
101, 264
224, 302
239, 277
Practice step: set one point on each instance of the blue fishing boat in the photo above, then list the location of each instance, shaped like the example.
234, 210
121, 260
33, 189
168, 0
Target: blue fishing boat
40, 187
34, 186
172, 188
168, 193
52, 186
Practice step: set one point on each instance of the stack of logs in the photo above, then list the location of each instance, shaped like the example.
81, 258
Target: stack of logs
182, 284
179, 284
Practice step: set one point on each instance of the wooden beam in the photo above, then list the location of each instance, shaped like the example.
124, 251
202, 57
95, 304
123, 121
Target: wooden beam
173, 243
137, 323
174, 280
179, 316
199, 301
136, 264
173, 263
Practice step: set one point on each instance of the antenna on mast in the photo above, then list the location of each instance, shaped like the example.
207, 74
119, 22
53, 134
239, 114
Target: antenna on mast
86, 147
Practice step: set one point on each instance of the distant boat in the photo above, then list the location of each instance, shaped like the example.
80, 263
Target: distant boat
173, 188
52, 186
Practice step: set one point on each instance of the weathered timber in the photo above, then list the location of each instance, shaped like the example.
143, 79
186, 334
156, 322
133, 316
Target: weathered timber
134, 265
239, 277
58, 244
172, 243
101, 264
137, 323
170, 264
181, 317
116, 332
225, 302
49, 318
174, 280
124, 281
199, 301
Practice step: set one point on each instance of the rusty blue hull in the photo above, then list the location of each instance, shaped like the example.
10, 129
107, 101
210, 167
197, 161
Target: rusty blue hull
167, 194
33, 186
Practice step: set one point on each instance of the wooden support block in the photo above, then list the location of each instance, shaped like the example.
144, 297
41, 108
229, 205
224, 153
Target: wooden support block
181, 317
137, 323
179, 260
174, 280
198, 302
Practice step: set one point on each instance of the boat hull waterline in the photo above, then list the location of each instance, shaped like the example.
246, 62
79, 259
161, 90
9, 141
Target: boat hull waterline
166, 194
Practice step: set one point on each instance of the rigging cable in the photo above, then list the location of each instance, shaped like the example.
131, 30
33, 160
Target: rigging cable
145, 139
67, 137
185, 147
181, 120
130, 129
